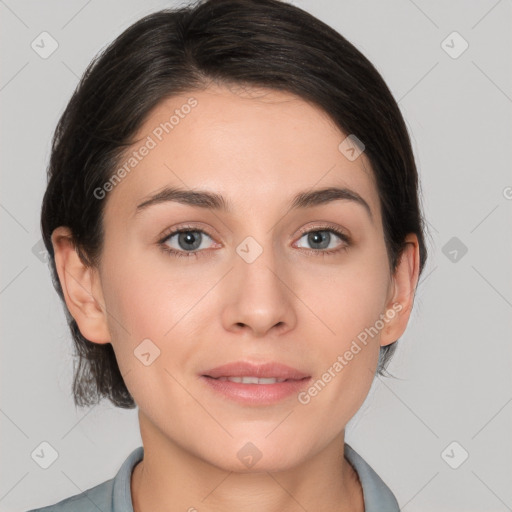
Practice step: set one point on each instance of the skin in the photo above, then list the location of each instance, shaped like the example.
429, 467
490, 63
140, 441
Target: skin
258, 148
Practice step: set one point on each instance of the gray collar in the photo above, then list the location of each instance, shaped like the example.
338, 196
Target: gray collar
377, 495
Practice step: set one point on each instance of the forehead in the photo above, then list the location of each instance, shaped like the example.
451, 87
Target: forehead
253, 146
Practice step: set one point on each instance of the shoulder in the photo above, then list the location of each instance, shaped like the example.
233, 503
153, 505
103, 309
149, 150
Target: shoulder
113, 495
96, 498
377, 495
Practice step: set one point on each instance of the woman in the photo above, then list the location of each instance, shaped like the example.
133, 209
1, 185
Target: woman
233, 224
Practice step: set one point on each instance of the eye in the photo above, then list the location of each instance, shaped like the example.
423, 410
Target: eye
321, 240
184, 242
189, 241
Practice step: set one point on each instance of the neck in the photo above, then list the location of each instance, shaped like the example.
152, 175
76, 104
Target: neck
172, 478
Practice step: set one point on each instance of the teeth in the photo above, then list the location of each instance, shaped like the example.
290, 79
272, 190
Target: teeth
252, 380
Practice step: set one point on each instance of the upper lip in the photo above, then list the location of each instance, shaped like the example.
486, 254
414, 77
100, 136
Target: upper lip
246, 369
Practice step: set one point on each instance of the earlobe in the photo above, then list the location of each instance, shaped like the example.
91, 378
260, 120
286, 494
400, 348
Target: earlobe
405, 280
81, 287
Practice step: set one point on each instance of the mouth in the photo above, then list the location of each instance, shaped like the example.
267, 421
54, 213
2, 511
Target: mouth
255, 384
253, 380
249, 371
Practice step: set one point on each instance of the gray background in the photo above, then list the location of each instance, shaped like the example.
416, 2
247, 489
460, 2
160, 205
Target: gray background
453, 361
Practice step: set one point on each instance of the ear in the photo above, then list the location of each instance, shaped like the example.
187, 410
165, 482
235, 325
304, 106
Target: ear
81, 287
404, 282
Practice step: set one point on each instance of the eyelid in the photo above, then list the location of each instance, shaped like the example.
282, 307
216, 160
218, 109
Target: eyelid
323, 226
182, 227
306, 229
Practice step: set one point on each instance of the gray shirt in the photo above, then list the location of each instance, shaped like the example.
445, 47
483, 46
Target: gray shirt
114, 495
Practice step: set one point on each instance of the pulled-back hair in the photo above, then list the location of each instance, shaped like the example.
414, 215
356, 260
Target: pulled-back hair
265, 43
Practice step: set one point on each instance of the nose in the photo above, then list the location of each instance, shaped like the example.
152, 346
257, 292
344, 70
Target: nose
257, 296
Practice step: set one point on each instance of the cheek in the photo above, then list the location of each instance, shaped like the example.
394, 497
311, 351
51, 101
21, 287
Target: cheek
147, 296
148, 301
348, 297
147, 319
350, 304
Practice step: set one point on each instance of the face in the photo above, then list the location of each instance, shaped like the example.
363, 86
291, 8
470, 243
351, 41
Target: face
261, 280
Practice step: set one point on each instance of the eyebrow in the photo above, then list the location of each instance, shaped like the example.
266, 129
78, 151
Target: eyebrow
214, 201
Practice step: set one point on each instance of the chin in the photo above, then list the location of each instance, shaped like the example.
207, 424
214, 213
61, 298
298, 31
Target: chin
245, 456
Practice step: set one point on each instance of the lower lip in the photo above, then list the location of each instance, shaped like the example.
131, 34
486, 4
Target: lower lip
256, 394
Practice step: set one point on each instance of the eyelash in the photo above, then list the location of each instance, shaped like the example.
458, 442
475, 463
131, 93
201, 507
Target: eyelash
316, 252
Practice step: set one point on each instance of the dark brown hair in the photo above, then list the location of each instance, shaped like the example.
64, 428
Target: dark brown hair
232, 42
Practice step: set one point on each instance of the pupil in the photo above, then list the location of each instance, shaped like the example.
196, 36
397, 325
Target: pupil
189, 240
318, 237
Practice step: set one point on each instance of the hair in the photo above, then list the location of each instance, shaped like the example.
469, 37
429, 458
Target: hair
254, 43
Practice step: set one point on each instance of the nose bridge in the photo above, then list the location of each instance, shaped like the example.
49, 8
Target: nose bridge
257, 260
256, 266
258, 296
257, 250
